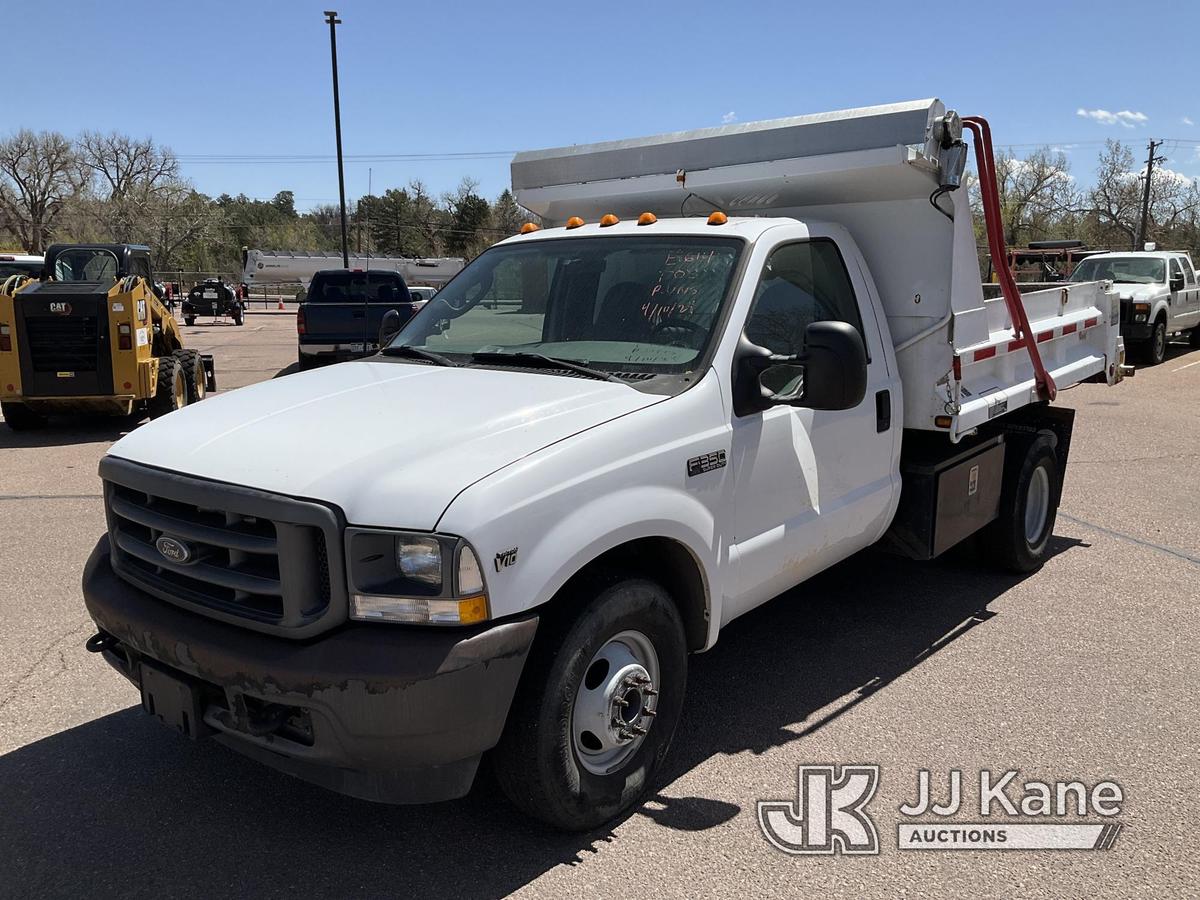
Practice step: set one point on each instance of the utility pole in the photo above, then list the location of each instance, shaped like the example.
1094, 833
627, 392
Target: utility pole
334, 21
1151, 159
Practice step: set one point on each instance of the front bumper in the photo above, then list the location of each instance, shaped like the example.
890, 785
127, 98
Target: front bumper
387, 713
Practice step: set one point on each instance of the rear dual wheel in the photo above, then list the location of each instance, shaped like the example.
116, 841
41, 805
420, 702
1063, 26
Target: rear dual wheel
1019, 539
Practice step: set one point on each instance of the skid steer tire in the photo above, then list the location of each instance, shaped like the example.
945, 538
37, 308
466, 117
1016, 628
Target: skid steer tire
193, 374
20, 417
172, 392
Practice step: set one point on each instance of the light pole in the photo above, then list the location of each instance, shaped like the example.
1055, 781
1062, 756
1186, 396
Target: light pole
334, 21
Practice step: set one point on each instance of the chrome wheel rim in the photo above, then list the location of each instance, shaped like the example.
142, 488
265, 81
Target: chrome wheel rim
1037, 505
616, 702
1160, 342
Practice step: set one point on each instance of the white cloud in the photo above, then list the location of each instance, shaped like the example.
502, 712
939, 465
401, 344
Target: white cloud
1186, 121
729, 118
1125, 118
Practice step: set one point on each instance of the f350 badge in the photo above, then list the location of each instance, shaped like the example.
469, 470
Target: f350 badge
506, 558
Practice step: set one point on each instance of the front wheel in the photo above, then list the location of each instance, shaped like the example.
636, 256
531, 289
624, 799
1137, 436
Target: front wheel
193, 374
1194, 338
1156, 348
171, 392
597, 706
1019, 539
189, 320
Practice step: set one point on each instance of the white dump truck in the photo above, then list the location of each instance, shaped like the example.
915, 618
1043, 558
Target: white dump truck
733, 358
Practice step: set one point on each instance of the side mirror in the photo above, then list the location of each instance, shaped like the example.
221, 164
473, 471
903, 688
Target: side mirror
830, 374
390, 327
1176, 283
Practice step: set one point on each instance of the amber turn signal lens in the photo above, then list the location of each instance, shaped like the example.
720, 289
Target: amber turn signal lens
574, 222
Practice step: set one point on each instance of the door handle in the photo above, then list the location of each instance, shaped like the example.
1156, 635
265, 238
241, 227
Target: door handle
883, 411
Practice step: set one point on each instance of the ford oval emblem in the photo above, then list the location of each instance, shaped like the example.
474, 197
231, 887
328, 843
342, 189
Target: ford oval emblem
173, 550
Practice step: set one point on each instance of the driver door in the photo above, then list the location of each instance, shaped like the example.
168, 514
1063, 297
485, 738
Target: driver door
812, 487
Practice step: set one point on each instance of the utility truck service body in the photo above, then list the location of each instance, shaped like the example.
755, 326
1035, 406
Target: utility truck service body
618, 434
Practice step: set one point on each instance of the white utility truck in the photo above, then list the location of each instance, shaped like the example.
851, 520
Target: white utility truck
1160, 297
741, 355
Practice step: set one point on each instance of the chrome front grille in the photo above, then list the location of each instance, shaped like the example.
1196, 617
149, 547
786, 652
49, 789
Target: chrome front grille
261, 560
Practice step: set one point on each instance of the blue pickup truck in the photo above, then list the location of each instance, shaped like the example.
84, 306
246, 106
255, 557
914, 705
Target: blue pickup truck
340, 317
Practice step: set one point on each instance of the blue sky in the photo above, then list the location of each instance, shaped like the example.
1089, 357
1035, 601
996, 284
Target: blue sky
252, 78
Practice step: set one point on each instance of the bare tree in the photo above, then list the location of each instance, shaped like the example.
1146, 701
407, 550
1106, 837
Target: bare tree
1114, 202
1035, 192
39, 172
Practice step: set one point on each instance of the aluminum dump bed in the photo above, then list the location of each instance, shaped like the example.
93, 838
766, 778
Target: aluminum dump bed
873, 170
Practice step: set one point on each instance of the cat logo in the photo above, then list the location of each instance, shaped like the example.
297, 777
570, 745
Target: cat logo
60, 307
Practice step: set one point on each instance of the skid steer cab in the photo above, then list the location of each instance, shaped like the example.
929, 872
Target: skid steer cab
90, 336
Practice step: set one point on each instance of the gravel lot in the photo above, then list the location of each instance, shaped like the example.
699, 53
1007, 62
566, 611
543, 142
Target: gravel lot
1086, 670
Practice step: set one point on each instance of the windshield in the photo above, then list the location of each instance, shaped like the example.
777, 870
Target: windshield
358, 287
84, 264
19, 267
1122, 270
628, 304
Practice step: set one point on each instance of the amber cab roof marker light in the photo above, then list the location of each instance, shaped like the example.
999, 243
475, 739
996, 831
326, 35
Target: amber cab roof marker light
574, 222
608, 219
718, 218
530, 227
647, 218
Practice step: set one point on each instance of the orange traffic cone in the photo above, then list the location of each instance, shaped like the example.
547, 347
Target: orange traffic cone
281, 303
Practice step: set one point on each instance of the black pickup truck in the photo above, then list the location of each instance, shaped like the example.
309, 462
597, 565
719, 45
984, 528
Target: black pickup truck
340, 317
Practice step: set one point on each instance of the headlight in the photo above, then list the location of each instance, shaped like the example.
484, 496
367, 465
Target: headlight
418, 579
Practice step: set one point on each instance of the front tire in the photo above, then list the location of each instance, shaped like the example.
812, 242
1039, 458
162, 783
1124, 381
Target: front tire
1194, 338
171, 393
193, 374
597, 705
189, 320
1019, 539
1155, 349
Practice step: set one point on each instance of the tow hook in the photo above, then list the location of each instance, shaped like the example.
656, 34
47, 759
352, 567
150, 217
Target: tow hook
1127, 371
100, 642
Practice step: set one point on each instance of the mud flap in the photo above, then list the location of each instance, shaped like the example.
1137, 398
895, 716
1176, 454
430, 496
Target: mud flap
210, 371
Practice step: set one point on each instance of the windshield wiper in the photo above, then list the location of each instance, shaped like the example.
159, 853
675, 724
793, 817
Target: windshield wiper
418, 353
543, 361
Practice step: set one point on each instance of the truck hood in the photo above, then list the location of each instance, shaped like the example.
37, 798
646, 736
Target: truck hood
390, 443
1142, 294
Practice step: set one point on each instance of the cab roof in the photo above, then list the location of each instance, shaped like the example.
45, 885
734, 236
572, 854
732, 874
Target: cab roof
746, 227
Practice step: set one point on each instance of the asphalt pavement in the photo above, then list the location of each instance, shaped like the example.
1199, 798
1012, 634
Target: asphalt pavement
1086, 670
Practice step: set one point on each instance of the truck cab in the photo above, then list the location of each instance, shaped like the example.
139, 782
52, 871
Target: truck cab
1160, 297
726, 361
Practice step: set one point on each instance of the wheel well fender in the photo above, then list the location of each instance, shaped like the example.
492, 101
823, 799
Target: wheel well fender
665, 561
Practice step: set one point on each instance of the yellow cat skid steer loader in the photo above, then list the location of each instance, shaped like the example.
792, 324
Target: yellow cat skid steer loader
91, 336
